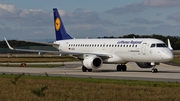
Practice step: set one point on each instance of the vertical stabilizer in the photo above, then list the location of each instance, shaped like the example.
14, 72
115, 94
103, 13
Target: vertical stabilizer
59, 27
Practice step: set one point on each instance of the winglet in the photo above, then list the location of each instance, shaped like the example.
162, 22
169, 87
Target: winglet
169, 45
8, 44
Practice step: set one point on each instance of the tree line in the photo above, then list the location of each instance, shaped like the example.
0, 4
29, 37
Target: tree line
15, 43
175, 40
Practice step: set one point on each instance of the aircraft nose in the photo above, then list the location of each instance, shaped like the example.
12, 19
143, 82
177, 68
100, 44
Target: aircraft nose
168, 55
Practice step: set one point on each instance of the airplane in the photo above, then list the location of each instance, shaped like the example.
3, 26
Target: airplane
145, 52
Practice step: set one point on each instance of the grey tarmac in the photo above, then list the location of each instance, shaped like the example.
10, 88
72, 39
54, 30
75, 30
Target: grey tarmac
167, 73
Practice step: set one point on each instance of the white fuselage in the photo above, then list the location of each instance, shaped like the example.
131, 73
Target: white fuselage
120, 50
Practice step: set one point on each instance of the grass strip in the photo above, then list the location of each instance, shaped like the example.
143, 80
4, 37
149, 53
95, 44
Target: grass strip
176, 61
97, 80
33, 65
85, 89
35, 59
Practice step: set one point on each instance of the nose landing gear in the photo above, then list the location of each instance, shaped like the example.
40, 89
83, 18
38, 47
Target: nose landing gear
154, 70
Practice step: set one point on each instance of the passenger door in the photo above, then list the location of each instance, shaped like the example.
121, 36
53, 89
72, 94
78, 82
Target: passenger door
144, 46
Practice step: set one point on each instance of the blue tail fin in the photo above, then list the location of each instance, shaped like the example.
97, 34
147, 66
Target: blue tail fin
59, 27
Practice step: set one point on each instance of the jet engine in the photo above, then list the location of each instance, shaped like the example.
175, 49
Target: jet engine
144, 64
92, 62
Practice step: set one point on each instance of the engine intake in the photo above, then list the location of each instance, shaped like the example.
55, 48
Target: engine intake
144, 64
92, 62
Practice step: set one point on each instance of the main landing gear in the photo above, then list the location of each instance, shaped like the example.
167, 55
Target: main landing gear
121, 67
84, 69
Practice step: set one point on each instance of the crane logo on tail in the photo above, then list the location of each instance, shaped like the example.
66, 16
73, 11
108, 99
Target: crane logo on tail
57, 24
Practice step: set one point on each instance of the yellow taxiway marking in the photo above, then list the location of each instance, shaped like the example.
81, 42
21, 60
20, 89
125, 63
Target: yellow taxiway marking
78, 67
128, 66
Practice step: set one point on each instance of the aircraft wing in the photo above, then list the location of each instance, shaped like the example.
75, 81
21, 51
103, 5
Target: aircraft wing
81, 55
30, 50
44, 43
77, 54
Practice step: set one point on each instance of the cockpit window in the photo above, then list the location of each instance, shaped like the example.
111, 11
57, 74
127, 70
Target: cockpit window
153, 45
158, 45
161, 45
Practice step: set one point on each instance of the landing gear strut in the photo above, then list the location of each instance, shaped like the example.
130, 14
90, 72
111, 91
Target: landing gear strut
121, 67
84, 69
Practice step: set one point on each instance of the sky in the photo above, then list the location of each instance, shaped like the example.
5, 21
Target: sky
33, 19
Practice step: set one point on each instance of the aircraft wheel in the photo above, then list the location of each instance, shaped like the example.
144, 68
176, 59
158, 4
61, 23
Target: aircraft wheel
84, 69
124, 68
89, 70
154, 70
119, 67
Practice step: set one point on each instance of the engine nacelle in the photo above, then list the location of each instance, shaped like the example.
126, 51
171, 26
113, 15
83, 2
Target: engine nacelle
92, 62
144, 64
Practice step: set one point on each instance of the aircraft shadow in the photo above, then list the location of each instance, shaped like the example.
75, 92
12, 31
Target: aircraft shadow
133, 71
96, 71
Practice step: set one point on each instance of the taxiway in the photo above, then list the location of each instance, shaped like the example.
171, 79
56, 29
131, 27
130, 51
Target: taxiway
165, 73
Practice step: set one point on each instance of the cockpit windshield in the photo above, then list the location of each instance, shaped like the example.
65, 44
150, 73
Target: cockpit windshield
158, 45
161, 45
